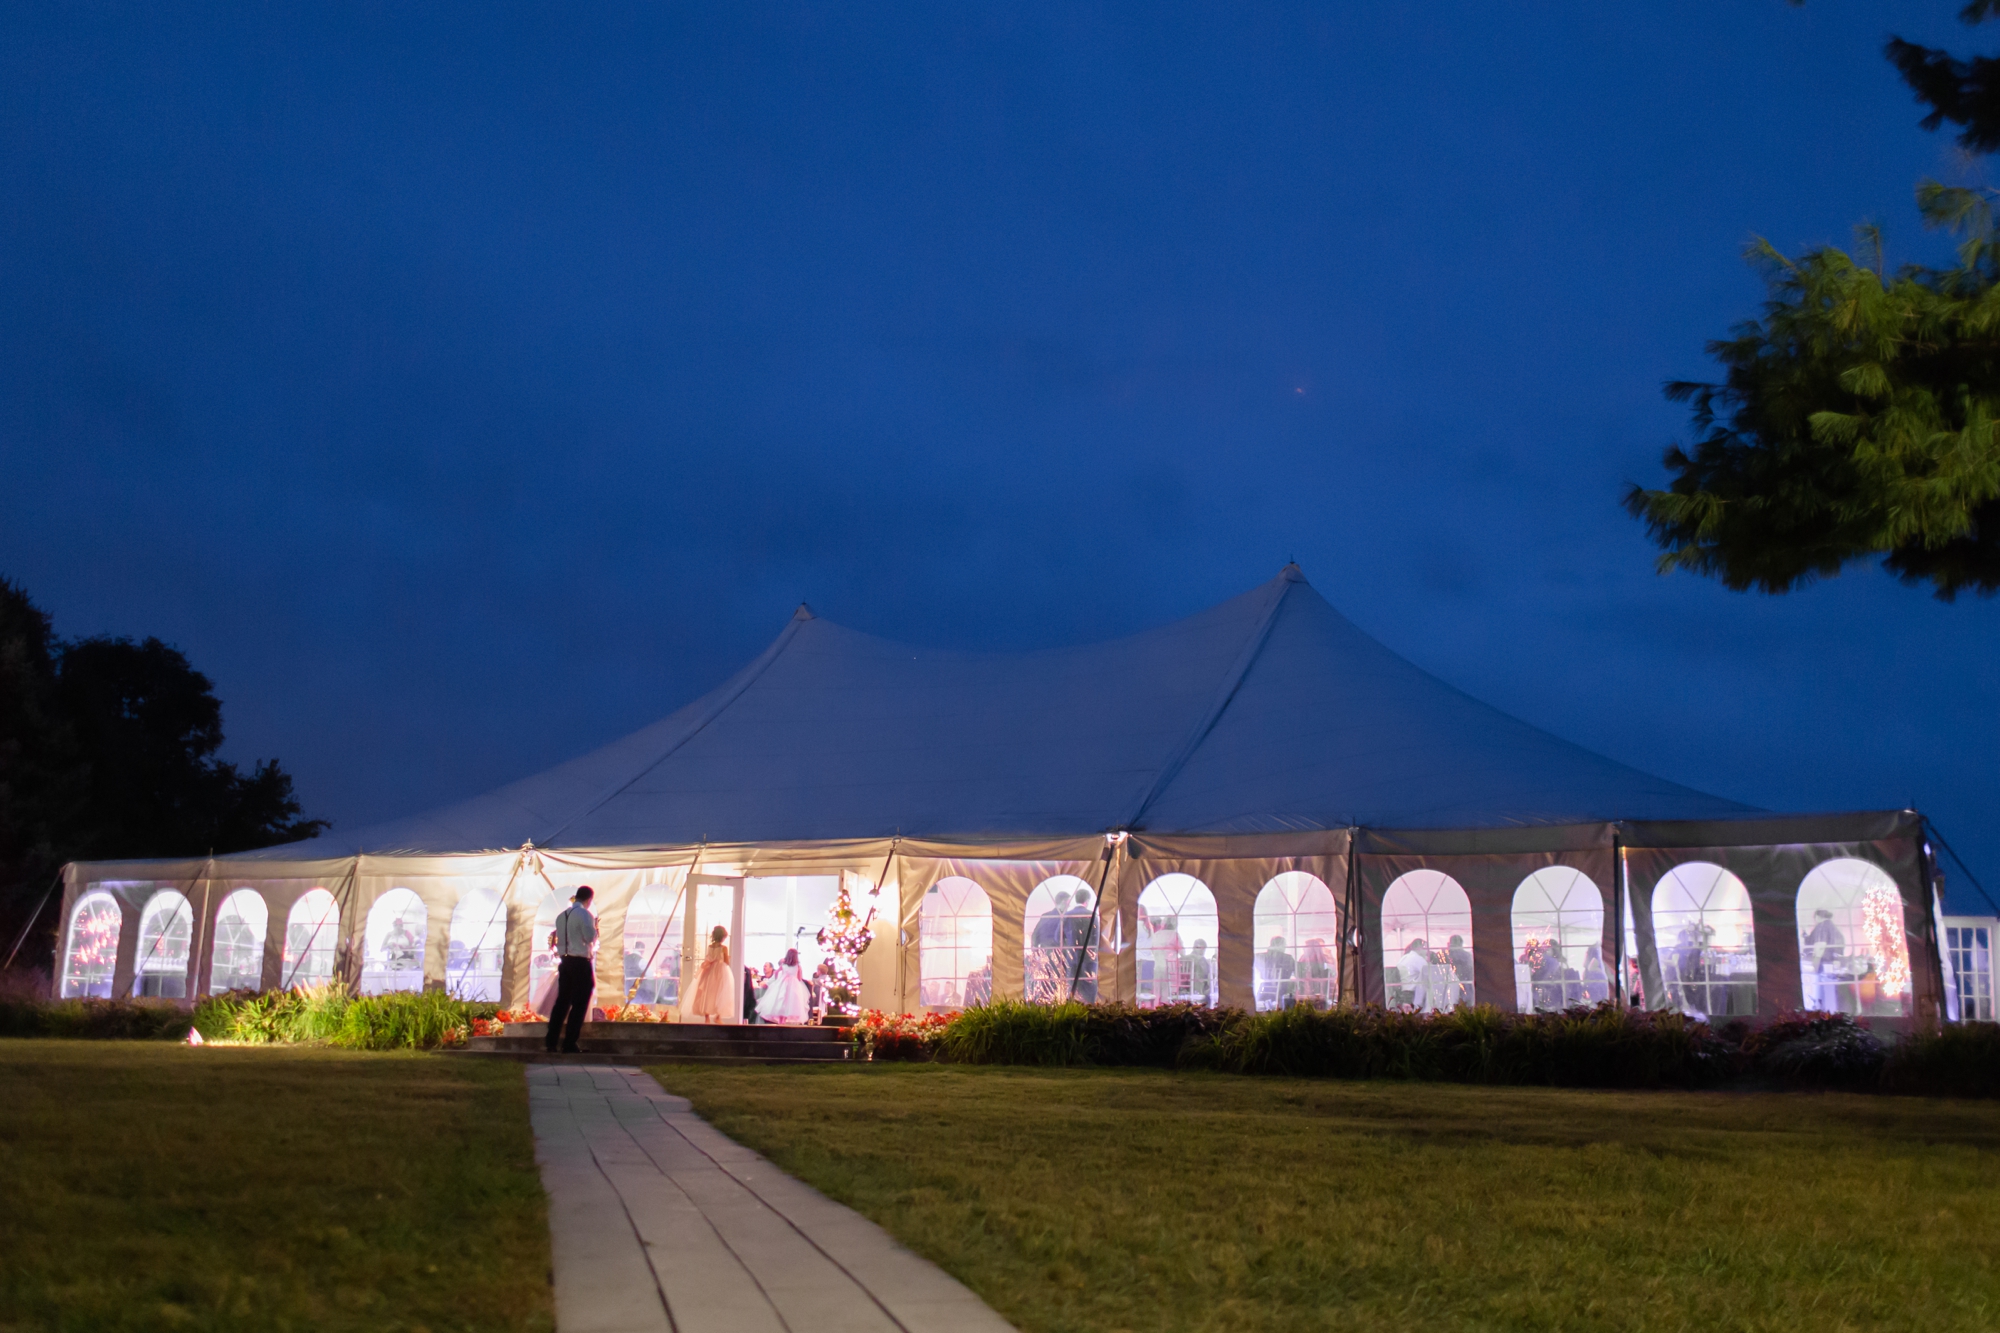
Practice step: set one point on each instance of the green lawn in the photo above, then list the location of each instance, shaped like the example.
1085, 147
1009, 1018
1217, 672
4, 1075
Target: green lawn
1126, 1199
153, 1186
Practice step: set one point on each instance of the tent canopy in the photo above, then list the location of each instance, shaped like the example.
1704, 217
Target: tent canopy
1268, 712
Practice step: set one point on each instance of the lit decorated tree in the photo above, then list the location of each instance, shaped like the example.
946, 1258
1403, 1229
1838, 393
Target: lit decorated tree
845, 936
1882, 939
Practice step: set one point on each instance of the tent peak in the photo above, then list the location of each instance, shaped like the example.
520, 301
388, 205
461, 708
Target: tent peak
804, 613
1291, 573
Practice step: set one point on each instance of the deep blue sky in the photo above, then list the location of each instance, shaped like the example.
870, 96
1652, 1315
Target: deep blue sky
461, 387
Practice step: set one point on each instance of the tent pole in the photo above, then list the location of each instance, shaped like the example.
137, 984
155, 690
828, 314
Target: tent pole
869, 920
1959, 861
197, 987
1111, 853
1618, 917
1353, 939
29, 925
343, 898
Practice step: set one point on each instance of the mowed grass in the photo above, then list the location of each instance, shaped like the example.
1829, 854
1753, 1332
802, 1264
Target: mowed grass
151, 1186
1130, 1199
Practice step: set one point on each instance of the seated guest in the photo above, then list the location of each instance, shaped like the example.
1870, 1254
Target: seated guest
1317, 971
1596, 985
1461, 966
1201, 976
1276, 973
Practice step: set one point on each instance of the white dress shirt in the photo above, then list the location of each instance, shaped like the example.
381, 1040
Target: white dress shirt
576, 931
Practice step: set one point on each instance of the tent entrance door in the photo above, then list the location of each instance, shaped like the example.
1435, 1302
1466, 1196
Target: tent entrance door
713, 900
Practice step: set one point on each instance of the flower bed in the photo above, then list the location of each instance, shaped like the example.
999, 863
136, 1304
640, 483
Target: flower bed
879, 1035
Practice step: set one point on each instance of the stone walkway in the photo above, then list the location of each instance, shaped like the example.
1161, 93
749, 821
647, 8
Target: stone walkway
658, 1222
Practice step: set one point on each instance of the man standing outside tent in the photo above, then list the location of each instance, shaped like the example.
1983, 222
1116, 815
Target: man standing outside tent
574, 941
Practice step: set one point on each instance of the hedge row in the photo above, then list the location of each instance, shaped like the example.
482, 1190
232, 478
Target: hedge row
320, 1015
1603, 1047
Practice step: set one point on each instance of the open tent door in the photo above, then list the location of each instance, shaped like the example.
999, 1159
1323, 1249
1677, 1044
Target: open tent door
714, 900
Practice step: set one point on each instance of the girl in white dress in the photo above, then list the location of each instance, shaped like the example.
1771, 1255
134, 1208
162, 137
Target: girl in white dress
787, 999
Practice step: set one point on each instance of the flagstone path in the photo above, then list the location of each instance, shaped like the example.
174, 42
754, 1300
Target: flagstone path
660, 1224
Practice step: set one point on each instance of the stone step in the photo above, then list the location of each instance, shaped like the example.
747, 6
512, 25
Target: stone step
777, 1032
666, 1041
538, 1056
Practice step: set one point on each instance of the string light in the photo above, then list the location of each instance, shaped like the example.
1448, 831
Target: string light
845, 937
1882, 938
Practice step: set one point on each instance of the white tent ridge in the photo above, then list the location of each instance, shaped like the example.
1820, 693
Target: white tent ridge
1263, 736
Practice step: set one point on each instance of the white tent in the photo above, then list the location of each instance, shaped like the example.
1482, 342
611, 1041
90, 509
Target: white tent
1255, 803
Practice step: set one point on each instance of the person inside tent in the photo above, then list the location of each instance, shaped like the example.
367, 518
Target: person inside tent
787, 999
1461, 967
1316, 972
1824, 949
1276, 976
1046, 941
1413, 970
1080, 949
1200, 972
399, 948
1596, 985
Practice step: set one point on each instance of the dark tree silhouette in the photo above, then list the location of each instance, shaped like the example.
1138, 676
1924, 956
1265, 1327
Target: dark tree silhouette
1857, 417
107, 750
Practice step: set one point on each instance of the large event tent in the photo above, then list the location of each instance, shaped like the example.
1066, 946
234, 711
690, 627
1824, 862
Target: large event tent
1255, 804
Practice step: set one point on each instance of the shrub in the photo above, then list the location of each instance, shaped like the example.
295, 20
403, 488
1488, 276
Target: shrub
1607, 1046
1013, 1032
1963, 1060
1166, 1037
102, 1020
326, 1014
1814, 1049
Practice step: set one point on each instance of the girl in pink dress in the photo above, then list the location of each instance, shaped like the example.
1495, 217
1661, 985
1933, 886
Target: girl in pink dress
709, 1000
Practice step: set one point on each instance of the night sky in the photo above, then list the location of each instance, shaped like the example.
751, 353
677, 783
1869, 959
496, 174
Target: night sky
462, 387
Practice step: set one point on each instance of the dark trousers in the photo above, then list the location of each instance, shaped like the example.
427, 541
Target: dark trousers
574, 983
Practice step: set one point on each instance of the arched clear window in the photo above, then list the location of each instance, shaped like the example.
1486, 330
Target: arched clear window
1178, 930
1559, 942
165, 929
1297, 930
392, 944
477, 942
91, 959
1426, 942
1853, 956
653, 945
238, 960
955, 945
1708, 953
312, 932
1059, 941
542, 960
